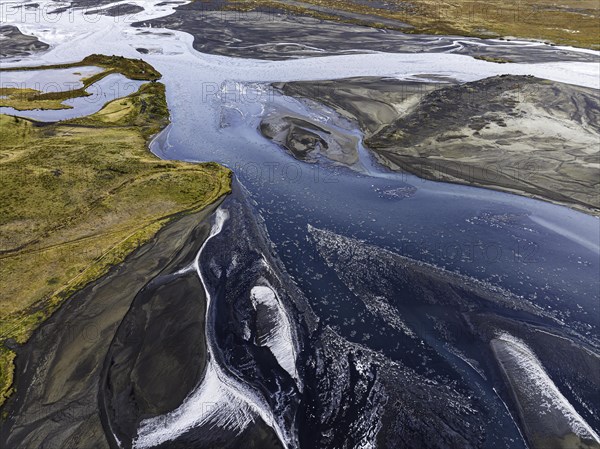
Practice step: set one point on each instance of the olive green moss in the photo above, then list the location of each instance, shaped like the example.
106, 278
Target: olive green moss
24, 99
79, 196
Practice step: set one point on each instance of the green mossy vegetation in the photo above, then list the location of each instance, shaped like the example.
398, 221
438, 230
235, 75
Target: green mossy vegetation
26, 99
78, 196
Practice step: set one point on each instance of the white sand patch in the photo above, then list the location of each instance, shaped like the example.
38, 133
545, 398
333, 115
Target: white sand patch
279, 339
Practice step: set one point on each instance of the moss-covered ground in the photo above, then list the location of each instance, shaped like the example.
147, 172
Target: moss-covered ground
78, 196
24, 99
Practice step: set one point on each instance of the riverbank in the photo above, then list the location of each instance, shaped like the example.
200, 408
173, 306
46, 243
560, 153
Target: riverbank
80, 195
573, 24
61, 370
26, 99
16, 44
516, 134
398, 354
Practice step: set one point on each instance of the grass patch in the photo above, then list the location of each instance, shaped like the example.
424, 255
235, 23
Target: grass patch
26, 99
78, 197
7, 359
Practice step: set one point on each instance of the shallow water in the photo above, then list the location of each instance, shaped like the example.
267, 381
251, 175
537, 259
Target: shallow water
547, 255
526, 245
50, 80
107, 89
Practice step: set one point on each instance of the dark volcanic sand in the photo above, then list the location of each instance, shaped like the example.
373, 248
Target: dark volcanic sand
13, 43
61, 367
425, 376
275, 35
512, 133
